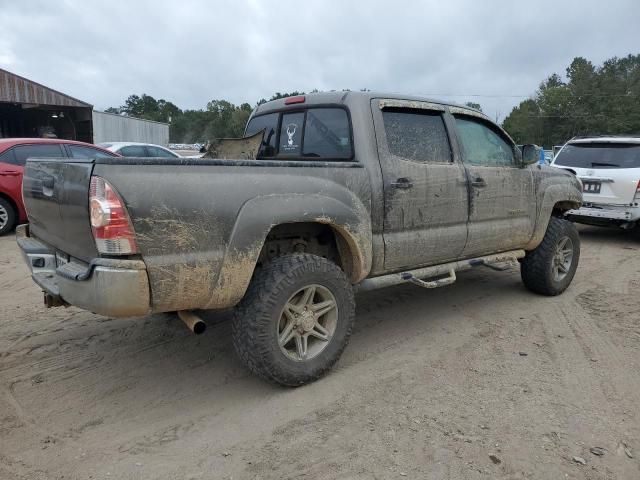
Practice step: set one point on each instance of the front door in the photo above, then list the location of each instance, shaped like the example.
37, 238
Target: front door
502, 204
425, 189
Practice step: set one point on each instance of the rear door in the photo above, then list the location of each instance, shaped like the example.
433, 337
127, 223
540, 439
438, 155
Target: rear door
425, 190
502, 204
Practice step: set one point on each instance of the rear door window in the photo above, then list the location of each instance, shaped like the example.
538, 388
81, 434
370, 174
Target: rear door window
8, 157
160, 152
133, 151
482, 145
80, 151
23, 152
419, 136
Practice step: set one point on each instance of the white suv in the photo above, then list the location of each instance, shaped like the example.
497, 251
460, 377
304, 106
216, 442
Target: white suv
609, 168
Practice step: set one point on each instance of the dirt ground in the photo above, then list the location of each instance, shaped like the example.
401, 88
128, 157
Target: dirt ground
480, 380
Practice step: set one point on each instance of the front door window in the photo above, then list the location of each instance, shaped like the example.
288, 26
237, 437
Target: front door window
482, 146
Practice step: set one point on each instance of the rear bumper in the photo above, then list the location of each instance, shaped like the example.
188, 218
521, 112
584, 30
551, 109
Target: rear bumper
605, 213
110, 287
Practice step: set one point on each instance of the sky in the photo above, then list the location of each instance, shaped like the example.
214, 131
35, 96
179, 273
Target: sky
190, 52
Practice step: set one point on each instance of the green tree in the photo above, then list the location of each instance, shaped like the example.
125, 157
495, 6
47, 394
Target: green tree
524, 122
166, 111
593, 100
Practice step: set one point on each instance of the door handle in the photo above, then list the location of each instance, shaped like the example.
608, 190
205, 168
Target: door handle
478, 182
402, 183
10, 173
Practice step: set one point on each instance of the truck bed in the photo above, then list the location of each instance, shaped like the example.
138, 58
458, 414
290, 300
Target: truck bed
198, 233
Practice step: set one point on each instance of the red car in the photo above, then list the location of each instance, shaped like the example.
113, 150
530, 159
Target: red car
13, 155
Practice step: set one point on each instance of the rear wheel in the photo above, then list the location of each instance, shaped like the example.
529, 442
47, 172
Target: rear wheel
295, 319
7, 217
550, 268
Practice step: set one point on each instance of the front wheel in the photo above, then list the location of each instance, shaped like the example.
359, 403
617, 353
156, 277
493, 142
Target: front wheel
295, 319
550, 268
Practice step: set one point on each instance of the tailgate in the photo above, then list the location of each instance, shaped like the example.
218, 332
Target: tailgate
56, 196
608, 168
609, 186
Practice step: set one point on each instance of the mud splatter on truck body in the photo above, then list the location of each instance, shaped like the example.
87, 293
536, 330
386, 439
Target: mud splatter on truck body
201, 243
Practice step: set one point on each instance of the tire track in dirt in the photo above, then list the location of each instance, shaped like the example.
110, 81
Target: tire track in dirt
431, 384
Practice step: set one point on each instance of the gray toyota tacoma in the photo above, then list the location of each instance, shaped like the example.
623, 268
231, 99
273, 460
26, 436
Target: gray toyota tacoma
345, 192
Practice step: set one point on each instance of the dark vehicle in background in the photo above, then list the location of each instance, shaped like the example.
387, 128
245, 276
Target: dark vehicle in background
13, 156
347, 191
609, 169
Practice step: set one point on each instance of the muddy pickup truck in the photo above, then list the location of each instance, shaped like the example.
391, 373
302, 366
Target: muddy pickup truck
346, 192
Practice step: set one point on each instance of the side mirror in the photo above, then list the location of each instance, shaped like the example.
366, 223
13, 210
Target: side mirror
530, 154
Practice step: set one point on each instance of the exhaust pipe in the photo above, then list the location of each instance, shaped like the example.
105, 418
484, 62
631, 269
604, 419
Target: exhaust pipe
191, 320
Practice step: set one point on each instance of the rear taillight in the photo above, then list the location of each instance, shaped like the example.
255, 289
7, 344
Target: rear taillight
110, 221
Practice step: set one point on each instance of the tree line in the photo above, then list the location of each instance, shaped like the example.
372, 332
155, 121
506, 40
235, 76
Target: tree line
220, 118
590, 100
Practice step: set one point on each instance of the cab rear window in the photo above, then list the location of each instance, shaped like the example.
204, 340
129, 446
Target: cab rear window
291, 134
312, 133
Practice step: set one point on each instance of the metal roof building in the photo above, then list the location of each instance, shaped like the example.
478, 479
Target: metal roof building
29, 109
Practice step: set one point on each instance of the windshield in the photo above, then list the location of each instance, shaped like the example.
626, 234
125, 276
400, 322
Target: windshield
600, 155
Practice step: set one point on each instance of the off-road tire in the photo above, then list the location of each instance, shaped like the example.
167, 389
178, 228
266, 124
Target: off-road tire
11, 216
536, 268
256, 318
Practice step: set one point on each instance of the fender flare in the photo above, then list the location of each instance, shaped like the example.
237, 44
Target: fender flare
351, 224
568, 195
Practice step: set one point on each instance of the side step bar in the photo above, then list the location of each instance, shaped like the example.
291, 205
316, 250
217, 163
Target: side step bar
416, 276
433, 283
